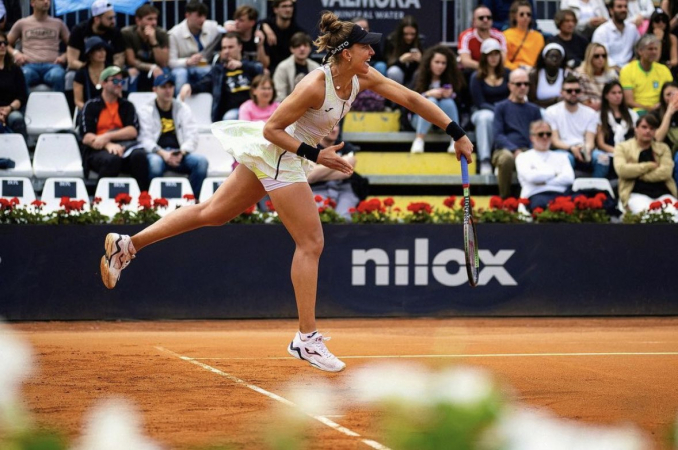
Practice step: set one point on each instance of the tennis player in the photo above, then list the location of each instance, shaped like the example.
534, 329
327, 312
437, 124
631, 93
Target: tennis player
275, 158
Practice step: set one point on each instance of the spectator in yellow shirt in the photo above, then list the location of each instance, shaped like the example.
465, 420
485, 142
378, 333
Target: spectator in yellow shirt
523, 44
643, 79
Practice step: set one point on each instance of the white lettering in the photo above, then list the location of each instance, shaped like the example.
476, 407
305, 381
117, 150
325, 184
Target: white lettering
360, 259
440, 272
372, 4
402, 271
421, 262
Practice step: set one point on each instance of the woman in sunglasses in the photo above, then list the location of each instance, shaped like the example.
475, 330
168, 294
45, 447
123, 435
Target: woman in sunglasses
13, 93
668, 49
523, 44
593, 74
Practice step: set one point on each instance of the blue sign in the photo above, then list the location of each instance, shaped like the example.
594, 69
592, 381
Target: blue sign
120, 6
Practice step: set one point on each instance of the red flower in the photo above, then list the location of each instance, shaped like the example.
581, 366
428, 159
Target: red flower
269, 206
568, 208
581, 202
321, 209
389, 202
160, 203
65, 201
370, 206
331, 203
667, 201
14, 201
145, 202
524, 201
675, 205
461, 202
352, 210
496, 202
595, 203
77, 205
537, 211
511, 204
123, 199
96, 200
189, 197
250, 210
555, 206
38, 203
5, 204
398, 209
655, 205
602, 196
318, 198
420, 207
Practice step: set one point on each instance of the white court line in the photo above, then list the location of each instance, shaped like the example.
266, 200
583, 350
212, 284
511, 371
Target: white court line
236, 380
477, 355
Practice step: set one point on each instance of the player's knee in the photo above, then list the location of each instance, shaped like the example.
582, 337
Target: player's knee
313, 244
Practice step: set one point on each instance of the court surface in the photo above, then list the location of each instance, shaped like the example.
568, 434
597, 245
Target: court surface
200, 383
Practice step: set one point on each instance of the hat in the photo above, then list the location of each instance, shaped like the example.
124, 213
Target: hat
112, 71
95, 42
358, 36
490, 45
101, 6
162, 80
552, 46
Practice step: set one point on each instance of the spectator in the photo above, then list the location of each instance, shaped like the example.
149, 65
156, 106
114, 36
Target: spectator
333, 184
615, 121
146, 48
261, 106
403, 51
546, 79
102, 24
489, 85
471, 39
617, 38
667, 117
671, 8
639, 14
642, 79
593, 74
109, 129
291, 71
244, 23
168, 133
187, 42
645, 168
573, 43
668, 49
377, 60
590, 14
501, 11
439, 80
13, 93
10, 13
40, 37
229, 81
512, 119
574, 128
86, 81
543, 174
523, 44
279, 29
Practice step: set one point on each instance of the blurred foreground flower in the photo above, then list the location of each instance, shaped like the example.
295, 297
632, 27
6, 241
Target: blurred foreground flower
17, 365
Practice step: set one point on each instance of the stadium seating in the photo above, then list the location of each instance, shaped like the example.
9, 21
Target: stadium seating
57, 155
108, 188
601, 184
47, 112
56, 188
201, 107
13, 146
171, 188
220, 162
140, 99
19, 187
209, 187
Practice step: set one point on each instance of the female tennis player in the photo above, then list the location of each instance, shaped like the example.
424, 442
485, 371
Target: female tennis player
275, 158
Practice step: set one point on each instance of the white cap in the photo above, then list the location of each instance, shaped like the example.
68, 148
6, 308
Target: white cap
101, 6
489, 45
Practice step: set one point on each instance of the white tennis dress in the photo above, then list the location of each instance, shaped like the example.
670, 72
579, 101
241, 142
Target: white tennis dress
245, 140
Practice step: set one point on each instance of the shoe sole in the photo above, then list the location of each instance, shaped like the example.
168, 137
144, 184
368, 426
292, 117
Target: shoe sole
296, 352
111, 247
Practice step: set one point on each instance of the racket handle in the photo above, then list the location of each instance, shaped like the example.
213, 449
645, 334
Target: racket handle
464, 170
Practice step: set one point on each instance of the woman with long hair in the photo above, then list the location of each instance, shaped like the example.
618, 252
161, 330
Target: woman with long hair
667, 113
262, 105
668, 51
593, 74
403, 51
438, 80
546, 78
275, 158
616, 121
86, 82
522, 42
13, 93
489, 85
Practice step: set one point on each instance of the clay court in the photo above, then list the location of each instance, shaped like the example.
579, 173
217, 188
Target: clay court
201, 383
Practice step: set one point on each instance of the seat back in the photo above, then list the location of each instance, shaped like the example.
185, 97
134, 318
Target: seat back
13, 146
140, 99
171, 188
601, 184
108, 188
19, 187
209, 187
57, 155
47, 112
201, 107
220, 161
57, 187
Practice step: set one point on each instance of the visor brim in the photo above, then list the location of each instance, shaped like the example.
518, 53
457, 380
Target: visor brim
370, 38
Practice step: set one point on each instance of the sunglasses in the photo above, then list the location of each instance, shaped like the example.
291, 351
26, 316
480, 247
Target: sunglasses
543, 134
525, 14
116, 81
3, 43
599, 55
660, 19
521, 83
484, 17
572, 91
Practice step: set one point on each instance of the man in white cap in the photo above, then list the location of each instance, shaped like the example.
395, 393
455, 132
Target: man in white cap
101, 24
472, 38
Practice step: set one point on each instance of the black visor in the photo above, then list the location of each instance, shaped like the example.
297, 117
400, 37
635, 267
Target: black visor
358, 36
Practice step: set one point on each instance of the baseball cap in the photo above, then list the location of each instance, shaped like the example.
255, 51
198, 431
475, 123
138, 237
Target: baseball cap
112, 71
163, 79
101, 6
95, 42
490, 45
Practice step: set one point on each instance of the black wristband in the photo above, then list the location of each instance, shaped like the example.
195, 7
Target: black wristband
454, 130
308, 152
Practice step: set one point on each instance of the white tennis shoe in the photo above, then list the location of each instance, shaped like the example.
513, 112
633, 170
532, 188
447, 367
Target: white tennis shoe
315, 353
119, 253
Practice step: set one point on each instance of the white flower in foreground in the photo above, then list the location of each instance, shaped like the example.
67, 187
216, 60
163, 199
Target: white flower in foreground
16, 357
462, 385
531, 429
389, 381
114, 425
313, 399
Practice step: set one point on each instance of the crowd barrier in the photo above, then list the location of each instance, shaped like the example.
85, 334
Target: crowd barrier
242, 271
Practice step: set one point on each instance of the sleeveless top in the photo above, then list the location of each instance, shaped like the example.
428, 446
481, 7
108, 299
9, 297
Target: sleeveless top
546, 90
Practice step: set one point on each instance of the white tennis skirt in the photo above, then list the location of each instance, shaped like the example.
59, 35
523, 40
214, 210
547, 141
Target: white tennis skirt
244, 140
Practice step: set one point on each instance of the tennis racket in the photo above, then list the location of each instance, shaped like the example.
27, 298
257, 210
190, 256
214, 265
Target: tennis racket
470, 236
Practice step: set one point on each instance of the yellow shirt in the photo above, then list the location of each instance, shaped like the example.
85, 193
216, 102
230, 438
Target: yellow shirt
646, 86
527, 54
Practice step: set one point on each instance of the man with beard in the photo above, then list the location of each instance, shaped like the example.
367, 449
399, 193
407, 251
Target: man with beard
574, 129
101, 24
244, 24
616, 36
472, 38
279, 29
147, 48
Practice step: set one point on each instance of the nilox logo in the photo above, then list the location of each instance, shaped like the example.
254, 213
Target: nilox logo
376, 267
